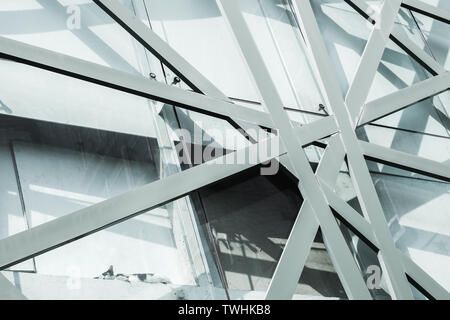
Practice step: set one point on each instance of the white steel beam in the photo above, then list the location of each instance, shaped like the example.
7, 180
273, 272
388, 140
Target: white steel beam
403, 98
8, 291
317, 130
399, 36
370, 59
350, 215
47, 236
108, 77
421, 278
292, 261
158, 47
424, 280
428, 10
309, 187
165, 53
405, 161
55, 233
362, 181
295, 253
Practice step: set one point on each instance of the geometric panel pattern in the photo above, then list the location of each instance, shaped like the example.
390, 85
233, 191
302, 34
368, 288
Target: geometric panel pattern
321, 204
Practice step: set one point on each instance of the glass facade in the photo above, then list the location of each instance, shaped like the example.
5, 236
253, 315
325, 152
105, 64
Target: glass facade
129, 130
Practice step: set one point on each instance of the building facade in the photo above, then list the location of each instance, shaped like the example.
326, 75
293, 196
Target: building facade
229, 149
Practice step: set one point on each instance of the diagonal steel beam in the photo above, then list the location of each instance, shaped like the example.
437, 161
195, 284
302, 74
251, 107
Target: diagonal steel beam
405, 161
421, 278
158, 47
350, 215
8, 291
166, 54
428, 10
101, 75
403, 98
318, 129
364, 187
424, 280
370, 59
431, 287
137, 85
399, 36
73, 226
309, 187
58, 232
295, 253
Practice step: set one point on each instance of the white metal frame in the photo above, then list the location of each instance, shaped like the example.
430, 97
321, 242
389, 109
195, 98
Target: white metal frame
316, 188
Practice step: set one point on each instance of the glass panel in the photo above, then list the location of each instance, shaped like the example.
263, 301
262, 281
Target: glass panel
280, 42
436, 35
69, 144
345, 34
77, 28
198, 32
56, 98
250, 217
145, 257
368, 263
417, 214
428, 146
417, 294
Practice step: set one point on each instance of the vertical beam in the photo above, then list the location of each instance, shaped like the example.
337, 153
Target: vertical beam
358, 168
309, 187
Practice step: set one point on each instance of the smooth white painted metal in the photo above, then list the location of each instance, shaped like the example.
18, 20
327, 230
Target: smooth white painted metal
123, 81
427, 9
159, 48
295, 253
317, 190
358, 168
405, 160
57, 232
403, 98
371, 58
345, 265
